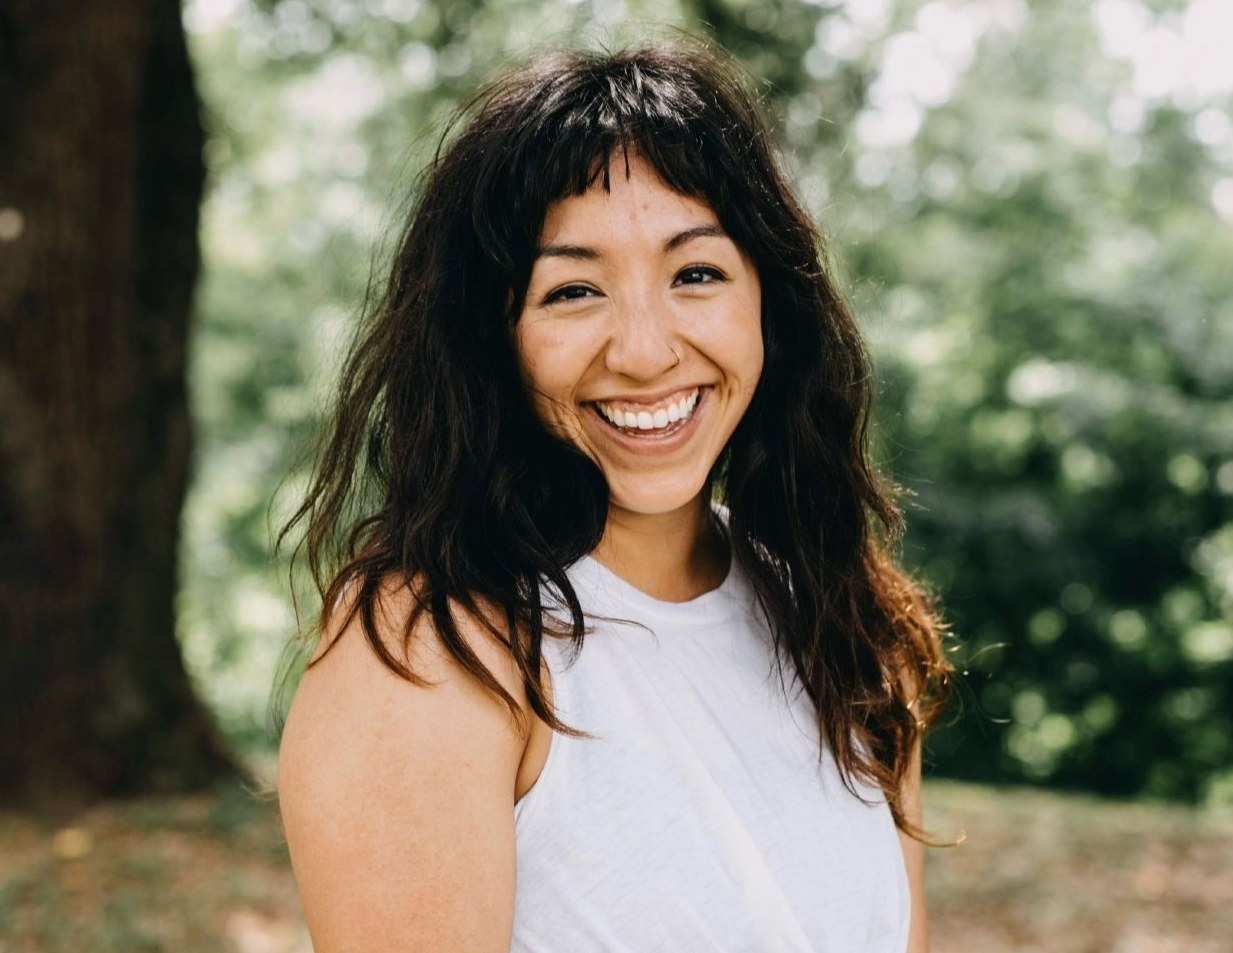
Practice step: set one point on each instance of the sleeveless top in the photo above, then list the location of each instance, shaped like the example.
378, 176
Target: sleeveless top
700, 817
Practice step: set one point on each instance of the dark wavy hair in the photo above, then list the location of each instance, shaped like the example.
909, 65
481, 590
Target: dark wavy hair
435, 468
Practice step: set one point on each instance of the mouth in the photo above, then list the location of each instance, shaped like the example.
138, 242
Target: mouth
657, 430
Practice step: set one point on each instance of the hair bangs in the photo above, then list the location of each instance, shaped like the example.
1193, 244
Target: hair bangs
580, 130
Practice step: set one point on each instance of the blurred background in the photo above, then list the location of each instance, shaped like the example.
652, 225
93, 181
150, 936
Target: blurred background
1030, 207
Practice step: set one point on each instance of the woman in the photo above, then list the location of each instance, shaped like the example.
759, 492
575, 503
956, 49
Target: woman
616, 655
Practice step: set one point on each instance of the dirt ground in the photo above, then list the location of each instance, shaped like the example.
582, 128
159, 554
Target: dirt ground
1042, 872
1037, 873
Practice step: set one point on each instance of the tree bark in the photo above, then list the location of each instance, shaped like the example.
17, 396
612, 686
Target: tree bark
101, 177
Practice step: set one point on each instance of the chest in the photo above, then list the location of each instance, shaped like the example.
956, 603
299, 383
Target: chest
701, 811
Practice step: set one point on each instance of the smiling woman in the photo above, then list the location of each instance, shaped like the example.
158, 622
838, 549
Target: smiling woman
597, 472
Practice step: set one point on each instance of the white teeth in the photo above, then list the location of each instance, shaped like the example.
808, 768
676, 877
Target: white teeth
650, 420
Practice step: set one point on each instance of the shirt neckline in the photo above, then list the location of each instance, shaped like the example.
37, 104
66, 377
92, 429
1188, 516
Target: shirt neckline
712, 606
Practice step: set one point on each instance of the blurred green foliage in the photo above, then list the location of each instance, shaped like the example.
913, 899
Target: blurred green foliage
1030, 208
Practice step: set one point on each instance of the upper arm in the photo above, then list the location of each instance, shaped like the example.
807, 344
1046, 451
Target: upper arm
914, 856
912, 682
397, 799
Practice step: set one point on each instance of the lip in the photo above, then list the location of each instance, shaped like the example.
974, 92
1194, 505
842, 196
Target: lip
651, 398
652, 446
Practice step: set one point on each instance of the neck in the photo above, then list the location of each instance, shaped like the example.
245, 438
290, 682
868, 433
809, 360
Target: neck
674, 556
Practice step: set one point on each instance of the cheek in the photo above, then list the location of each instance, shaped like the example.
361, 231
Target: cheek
551, 366
757, 357
750, 347
737, 344
538, 351
754, 347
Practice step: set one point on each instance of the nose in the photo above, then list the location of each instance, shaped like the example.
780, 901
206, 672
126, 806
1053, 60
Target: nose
643, 344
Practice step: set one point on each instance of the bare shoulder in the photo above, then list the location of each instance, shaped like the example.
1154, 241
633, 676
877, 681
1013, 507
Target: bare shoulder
425, 653
397, 798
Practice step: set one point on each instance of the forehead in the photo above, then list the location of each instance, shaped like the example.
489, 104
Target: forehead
636, 202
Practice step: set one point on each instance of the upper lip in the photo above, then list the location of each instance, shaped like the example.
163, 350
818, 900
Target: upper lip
649, 398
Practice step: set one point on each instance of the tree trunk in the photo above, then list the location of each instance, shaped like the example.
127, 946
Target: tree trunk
101, 178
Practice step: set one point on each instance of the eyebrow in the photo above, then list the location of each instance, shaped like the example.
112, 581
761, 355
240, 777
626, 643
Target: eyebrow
586, 253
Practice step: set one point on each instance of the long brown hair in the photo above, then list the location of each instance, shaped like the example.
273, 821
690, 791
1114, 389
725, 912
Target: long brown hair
434, 466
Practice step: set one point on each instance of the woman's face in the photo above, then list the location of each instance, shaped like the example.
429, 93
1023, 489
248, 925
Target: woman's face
642, 311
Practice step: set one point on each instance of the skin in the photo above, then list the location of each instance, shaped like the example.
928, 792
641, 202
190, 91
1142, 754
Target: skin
626, 281
914, 858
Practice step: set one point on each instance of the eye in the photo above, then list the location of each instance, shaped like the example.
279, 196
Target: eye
700, 275
568, 293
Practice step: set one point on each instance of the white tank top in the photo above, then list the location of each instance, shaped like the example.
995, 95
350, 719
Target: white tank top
700, 819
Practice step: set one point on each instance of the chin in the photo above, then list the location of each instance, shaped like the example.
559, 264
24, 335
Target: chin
656, 500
